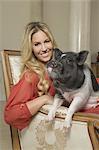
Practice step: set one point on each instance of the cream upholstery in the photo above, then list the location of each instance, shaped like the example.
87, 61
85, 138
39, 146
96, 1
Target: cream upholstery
43, 135
15, 67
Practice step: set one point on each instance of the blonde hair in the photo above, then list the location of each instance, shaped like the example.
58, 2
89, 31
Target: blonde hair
28, 58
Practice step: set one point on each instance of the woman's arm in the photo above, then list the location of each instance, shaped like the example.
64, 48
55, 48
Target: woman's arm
24, 102
35, 105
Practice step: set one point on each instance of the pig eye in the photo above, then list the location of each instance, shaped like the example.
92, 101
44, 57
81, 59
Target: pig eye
69, 61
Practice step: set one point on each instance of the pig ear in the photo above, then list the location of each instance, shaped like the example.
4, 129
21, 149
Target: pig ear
82, 56
57, 53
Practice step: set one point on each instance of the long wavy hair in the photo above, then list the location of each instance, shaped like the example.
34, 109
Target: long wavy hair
28, 58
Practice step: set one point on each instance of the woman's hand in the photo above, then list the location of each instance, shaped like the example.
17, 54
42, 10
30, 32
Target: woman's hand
48, 99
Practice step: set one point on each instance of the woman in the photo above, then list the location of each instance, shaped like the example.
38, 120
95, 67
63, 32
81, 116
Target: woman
34, 88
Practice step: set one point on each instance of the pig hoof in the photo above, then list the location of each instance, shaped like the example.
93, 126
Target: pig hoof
51, 116
67, 124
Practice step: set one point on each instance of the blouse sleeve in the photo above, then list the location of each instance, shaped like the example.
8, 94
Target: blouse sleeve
16, 112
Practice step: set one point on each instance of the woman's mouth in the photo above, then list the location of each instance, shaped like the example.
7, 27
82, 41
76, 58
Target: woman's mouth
45, 53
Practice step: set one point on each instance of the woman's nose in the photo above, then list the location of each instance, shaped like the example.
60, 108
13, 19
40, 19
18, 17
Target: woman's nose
43, 47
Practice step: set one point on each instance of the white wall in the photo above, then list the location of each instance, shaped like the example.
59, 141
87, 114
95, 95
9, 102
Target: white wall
15, 15
56, 15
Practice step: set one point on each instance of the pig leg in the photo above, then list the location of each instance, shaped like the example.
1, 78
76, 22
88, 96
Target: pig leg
76, 104
56, 104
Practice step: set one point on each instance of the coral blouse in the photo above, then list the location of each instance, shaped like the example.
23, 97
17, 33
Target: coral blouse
16, 112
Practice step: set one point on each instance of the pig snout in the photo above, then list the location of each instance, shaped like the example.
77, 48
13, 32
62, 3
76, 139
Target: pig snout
51, 65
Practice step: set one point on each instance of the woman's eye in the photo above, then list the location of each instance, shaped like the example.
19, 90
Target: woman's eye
47, 41
36, 44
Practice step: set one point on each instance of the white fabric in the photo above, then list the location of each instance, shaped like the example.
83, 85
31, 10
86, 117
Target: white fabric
15, 67
43, 135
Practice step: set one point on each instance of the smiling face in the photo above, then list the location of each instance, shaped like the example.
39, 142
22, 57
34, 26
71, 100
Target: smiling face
42, 46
